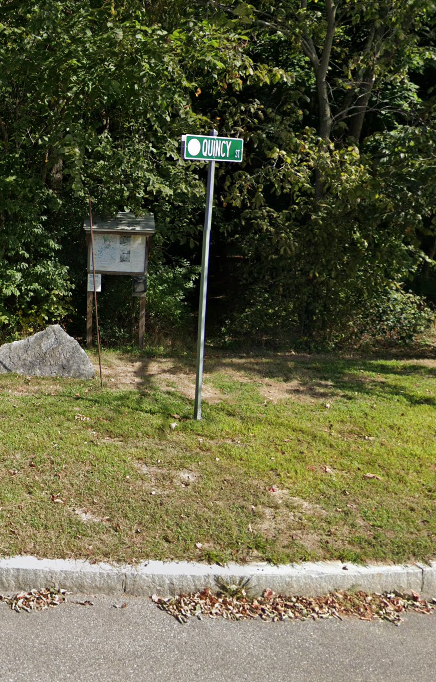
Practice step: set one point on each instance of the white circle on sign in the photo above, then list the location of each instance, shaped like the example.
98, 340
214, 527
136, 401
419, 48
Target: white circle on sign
194, 147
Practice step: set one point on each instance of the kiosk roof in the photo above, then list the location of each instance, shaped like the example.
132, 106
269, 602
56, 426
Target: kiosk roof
123, 222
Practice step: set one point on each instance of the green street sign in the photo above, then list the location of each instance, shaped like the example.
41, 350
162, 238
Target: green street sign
208, 148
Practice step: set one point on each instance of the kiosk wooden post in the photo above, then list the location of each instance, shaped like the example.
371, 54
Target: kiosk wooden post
89, 311
141, 322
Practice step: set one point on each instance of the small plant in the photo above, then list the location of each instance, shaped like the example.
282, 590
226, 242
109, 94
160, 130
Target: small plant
236, 590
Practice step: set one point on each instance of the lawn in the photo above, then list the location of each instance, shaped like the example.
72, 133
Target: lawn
297, 458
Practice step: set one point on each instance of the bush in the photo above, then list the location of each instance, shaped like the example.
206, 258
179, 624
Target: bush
168, 316
395, 317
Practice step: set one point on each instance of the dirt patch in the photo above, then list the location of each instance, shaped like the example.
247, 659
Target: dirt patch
308, 508
284, 527
187, 477
152, 472
173, 375
155, 480
275, 378
162, 480
274, 522
163, 373
26, 388
287, 389
88, 517
283, 521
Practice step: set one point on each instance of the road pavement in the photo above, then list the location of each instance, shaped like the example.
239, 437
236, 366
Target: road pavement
101, 643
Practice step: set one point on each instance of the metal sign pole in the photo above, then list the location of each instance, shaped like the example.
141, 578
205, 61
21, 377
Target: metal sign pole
203, 286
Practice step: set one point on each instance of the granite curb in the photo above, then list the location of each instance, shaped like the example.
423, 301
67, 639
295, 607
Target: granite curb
171, 578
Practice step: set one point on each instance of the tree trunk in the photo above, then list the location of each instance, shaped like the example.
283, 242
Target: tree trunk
362, 101
4, 133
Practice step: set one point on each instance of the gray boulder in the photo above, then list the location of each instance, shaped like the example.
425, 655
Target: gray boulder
51, 353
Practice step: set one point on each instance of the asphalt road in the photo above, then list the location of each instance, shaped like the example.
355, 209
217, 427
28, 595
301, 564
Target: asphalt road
101, 643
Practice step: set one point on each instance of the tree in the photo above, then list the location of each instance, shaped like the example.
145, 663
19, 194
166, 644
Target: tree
321, 236
95, 97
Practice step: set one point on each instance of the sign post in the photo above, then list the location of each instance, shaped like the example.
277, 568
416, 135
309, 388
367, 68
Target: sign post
207, 148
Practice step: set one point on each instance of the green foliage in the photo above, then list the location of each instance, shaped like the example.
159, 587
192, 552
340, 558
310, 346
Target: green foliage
395, 317
333, 203
33, 281
322, 227
169, 286
94, 100
168, 313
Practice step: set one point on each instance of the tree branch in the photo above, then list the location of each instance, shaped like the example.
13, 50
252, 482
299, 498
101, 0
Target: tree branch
331, 28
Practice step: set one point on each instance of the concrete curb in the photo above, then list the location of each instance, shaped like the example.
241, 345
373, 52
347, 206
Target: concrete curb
170, 578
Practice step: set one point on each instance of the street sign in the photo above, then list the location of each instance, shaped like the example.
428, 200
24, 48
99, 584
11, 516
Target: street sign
208, 148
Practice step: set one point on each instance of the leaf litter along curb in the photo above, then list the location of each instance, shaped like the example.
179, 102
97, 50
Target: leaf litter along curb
272, 607
35, 600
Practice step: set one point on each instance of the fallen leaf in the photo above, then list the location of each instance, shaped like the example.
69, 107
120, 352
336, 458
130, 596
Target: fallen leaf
198, 545
272, 607
327, 470
120, 606
35, 599
378, 478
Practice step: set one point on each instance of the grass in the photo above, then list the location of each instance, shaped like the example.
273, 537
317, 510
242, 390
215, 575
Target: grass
296, 458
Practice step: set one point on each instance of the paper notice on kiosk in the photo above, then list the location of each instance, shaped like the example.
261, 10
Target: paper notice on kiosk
91, 282
119, 253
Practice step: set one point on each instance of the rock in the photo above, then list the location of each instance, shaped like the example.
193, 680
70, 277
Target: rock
49, 353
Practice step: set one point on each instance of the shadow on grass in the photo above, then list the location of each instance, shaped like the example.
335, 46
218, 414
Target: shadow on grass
315, 377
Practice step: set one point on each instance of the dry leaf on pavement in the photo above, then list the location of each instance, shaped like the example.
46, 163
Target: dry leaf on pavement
35, 600
272, 607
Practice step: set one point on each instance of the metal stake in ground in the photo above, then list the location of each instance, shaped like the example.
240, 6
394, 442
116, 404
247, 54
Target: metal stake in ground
95, 291
203, 287
207, 148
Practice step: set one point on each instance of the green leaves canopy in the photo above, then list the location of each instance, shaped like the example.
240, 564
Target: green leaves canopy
333, 204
